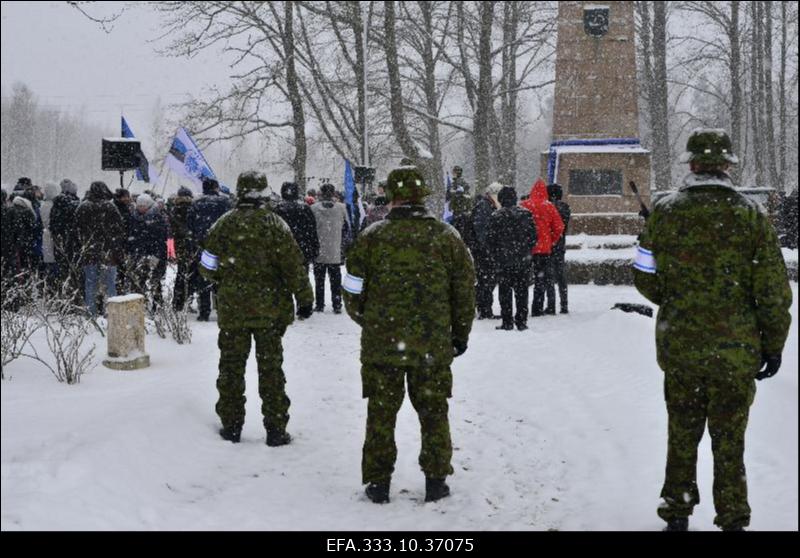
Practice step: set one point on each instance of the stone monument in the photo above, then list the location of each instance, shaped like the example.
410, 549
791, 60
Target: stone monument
595, 152
126, 333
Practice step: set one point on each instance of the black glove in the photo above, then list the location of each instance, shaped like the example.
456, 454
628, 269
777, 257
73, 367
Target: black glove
459, 348
305, 312
772, 362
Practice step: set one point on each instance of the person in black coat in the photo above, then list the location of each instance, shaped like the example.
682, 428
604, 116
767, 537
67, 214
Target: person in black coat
481, 254
148, 248
512, 236
24, 228
8, 251
101, 237
203, 214
300, 218
178, 208
555, 193
65, 239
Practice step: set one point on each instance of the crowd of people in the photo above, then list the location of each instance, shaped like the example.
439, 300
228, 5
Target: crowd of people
513, 243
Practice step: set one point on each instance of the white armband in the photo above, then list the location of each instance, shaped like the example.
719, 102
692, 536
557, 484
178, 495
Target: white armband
353, 284
209, 260
645, 260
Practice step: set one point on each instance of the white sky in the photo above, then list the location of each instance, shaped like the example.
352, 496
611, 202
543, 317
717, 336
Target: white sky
69, 62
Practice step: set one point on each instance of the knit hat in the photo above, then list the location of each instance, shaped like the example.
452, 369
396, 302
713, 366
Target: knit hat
185, 192
68, 187
507, 196
290, 191
144, 201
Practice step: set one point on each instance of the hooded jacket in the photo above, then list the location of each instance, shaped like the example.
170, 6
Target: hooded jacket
331, 217
303, 225
205, 211
100, 229
549, 226
148, 234
62, 222
23, 228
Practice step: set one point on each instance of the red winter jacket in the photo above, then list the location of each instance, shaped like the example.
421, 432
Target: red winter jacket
549, 226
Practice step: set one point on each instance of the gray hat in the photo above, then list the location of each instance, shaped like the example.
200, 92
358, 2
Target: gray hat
68, 187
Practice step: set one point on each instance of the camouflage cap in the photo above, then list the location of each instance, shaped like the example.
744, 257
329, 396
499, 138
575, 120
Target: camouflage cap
252, 184
709, 146
406, 183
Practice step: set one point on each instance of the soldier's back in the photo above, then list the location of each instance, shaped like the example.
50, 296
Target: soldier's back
252, 246
410, 267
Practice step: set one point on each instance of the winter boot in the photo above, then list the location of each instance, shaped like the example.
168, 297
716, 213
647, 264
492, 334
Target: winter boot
337, 310
522, 327
678, 524
507, 327
231, 433
564, 310
435, 489
278, 438
319, 309
378, 492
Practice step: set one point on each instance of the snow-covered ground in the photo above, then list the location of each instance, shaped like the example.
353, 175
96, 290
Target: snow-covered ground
559, 427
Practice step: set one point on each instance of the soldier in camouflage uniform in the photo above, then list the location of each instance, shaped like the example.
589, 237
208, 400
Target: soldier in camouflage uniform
709, 257
254, 260
410, 286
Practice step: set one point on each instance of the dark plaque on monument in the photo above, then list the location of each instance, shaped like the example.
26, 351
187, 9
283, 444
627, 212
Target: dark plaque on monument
595, 182
595, 20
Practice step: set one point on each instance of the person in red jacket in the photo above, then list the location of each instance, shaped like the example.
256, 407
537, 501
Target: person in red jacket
549, 228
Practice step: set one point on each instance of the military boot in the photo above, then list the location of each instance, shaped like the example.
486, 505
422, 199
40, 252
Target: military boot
378, 492
278, 438
231, 433
435, 489
679, 524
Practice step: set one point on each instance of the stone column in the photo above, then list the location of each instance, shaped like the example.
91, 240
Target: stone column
126, 333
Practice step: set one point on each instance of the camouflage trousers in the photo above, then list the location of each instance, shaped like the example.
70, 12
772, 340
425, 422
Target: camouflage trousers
234, 346
722, 398
428, 389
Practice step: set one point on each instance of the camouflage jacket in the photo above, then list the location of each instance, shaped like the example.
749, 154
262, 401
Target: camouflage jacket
410, 286
709, 257
251, 255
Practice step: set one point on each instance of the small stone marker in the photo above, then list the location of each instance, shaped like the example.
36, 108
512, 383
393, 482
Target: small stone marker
126, 333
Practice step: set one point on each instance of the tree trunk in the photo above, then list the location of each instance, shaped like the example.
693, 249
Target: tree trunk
295, 99
755, 98
736, 86
782, 97
431, 104
484, 98
769, 107
660, 101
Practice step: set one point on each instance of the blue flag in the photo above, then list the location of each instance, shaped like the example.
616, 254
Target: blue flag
349, 189
143, 172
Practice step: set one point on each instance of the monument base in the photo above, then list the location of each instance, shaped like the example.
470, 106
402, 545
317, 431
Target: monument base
137, 363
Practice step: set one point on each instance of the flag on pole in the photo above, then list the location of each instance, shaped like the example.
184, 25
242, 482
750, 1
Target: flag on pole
447, 215
349, 189
144, 173
186, 159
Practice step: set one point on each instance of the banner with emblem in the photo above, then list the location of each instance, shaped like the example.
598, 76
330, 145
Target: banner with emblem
186, 159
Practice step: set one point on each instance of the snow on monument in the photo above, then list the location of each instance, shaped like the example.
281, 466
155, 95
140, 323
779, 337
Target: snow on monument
596, 151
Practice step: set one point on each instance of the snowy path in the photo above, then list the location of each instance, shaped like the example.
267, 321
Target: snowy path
559, 427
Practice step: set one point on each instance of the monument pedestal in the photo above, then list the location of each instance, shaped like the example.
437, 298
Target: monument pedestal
595, 181
126, 333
